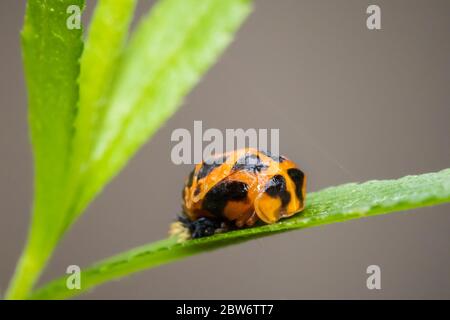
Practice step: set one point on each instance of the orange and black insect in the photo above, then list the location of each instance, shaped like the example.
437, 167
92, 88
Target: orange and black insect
238, 189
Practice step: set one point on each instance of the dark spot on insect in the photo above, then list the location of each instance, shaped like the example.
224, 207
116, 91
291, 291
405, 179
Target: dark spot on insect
278, 159
217, 198
209, 165
276, 187
190, 179
197, 190
250, 162
203, 227
297, 177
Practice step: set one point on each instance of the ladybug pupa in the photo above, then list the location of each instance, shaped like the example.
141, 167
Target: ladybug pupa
239, 189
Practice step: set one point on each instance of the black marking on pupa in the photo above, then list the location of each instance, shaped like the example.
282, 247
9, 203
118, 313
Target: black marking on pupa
276, 188
210, 165
297, 177
251, 163
217, 198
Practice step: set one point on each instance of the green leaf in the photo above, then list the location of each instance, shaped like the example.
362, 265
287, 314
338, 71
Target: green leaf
169, 52
126, 94
330, 205
51, 53
102, 54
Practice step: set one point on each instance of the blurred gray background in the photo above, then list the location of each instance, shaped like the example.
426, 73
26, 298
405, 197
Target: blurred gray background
351, 105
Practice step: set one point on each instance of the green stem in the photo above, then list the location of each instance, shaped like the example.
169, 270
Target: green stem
33, 260
27, 273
